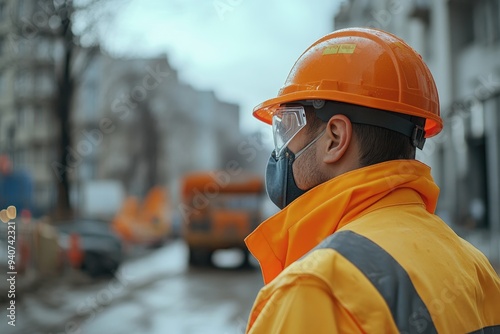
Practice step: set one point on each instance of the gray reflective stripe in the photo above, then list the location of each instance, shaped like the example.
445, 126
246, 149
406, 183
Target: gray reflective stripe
488, 330
390, 279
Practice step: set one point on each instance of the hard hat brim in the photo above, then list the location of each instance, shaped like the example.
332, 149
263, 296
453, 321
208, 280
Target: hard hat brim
265, 110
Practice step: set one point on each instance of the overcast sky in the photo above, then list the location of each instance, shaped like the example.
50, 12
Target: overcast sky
241, 49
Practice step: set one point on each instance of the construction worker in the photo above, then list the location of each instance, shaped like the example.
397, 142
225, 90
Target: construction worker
356, 247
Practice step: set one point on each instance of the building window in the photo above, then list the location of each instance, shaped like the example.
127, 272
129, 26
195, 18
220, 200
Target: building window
486, 21
40, 157
44, 83
25, 117
44, 49
477, 184
40, 117
24, 84
23, 10
21, 118
3, 14
53, 154
495, 20
25, 47
3, 87
461, 24
21, 159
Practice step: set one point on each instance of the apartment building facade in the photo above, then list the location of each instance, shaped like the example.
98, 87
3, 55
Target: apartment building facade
28, 54
460, 42
142, 125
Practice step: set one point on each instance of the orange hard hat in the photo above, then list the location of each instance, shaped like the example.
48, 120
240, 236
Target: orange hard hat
365, 67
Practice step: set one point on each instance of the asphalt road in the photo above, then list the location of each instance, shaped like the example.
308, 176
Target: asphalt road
153, 293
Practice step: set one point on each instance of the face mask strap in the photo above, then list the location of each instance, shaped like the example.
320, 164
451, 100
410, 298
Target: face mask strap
310, 144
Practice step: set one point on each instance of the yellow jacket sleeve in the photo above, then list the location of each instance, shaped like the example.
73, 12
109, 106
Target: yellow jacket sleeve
302, 307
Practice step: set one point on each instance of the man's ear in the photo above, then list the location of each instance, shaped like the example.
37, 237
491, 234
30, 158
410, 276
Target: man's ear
338, 134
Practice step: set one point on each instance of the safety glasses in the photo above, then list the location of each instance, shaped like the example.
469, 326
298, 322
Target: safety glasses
287, 122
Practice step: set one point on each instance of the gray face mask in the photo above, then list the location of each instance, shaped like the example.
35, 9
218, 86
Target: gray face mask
280, 183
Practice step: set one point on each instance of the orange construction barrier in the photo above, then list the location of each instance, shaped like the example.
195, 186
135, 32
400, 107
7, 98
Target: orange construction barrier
147, 222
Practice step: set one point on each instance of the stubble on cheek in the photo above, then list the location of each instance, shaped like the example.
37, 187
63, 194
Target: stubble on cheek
305, 170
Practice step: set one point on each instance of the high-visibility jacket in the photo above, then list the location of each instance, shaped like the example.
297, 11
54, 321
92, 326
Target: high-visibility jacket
364, 253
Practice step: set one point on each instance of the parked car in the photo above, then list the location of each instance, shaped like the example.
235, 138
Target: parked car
91, 245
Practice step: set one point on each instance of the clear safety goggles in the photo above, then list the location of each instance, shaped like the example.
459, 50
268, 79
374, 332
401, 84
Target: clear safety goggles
287, 122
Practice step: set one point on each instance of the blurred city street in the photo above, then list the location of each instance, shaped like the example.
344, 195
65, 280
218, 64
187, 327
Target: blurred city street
155, 292
134, 161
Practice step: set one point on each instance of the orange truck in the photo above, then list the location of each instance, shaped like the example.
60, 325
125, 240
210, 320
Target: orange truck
218, 213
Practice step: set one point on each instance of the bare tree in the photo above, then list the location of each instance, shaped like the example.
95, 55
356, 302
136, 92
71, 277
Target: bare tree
57, 18
142, 128
151, 140
142, 173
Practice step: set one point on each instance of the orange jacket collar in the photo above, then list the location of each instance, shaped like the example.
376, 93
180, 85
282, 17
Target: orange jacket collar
299, 227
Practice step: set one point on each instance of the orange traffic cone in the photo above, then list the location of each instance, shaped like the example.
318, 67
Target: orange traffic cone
75, 253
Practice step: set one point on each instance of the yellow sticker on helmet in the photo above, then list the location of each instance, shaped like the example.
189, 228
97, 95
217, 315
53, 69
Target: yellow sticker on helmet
339, 48
347, 48
331, 50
